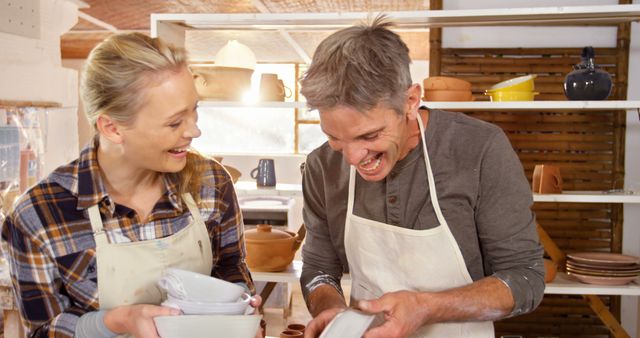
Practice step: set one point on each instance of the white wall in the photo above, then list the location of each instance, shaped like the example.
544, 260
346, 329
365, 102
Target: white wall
468, 37
31, 71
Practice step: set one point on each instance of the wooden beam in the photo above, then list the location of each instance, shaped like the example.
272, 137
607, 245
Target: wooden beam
78, 45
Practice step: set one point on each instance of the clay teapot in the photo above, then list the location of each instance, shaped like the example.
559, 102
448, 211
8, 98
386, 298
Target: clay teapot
587, 81
271, 249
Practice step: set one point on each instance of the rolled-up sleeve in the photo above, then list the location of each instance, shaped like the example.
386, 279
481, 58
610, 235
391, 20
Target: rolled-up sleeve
507, 226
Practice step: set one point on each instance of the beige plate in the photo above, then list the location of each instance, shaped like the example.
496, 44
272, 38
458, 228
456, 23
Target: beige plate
604, 267
601, 273
602, 280
606, 258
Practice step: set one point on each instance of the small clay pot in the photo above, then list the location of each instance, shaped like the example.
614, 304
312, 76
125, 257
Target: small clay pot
291, 334
296, 327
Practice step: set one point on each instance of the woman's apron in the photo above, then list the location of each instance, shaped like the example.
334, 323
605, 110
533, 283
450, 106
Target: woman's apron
385, 258
128, 272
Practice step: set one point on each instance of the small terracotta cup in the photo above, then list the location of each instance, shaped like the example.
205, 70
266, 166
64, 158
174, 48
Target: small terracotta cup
291, 334
296, 327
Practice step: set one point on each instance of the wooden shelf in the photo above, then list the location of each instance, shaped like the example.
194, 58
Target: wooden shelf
238, 104
458, 106
535, 105
562, 15
565, 285
589, 197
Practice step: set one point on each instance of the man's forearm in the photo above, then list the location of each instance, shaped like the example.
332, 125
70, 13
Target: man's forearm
324, 297
487, 299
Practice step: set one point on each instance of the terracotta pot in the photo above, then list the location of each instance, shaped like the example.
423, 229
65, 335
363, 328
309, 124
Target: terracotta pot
222, 83
445, 83
291, 334
546, 179
271, 249
296, 327
448, 95
550, 270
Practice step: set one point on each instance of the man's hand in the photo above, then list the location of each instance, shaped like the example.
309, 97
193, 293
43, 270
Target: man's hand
317, 325
137, 320
404, 314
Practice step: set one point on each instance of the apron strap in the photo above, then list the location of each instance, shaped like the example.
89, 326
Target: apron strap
193, 207
432, 181
352, 185
99, 235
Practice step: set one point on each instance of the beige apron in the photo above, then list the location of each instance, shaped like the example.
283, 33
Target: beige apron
128, 272
385, 258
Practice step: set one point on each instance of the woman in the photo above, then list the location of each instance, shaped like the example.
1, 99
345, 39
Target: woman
88, 243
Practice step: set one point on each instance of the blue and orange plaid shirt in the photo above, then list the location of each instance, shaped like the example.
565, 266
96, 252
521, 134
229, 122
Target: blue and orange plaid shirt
51, 249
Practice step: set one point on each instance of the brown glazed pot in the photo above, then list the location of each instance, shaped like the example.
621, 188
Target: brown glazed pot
271, 249
550, 270
546, 179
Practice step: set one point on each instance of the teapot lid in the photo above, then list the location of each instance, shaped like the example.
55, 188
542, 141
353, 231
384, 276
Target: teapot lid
265, 232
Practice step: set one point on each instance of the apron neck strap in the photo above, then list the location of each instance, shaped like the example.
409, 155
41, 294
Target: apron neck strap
99, 235
432, 181
193, 207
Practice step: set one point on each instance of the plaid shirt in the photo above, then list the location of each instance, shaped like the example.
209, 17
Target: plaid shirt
52, 249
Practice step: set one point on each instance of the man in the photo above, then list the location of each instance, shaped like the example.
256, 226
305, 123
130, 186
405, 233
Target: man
428, 210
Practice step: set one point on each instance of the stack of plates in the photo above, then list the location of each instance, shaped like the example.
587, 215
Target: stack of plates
603, 268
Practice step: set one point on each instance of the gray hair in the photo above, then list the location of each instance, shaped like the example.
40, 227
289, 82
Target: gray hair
359, 66
117, 71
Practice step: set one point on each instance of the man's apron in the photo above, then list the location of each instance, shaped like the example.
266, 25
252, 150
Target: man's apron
385, 258
128, 272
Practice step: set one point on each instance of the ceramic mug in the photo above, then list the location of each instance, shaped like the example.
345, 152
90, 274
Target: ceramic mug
265, 173
546, 179
272, 88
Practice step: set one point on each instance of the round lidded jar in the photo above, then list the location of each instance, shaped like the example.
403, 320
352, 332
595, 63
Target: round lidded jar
270, 249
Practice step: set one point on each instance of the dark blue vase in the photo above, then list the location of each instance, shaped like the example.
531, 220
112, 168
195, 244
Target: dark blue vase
587, 81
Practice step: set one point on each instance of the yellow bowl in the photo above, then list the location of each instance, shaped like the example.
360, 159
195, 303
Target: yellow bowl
518, 84
500, 96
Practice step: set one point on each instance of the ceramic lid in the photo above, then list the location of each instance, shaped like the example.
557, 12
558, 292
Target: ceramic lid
265, 232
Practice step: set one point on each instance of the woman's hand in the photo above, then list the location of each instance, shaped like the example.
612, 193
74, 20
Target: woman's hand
137, 320
317, 325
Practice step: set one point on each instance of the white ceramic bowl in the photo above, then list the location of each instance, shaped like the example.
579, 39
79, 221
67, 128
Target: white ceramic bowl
209, 308
193, 286
207, 326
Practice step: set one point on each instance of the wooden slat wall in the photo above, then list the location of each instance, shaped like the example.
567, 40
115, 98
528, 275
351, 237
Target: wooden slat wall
587, 146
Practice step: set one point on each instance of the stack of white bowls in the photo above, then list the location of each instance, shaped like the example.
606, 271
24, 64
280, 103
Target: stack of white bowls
208, 305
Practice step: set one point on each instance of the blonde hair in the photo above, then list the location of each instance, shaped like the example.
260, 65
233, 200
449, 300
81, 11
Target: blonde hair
114, 79
360, 66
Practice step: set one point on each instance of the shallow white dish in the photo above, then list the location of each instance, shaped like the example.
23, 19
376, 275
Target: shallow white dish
193, 286
350, 323
209, 308
207, 326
